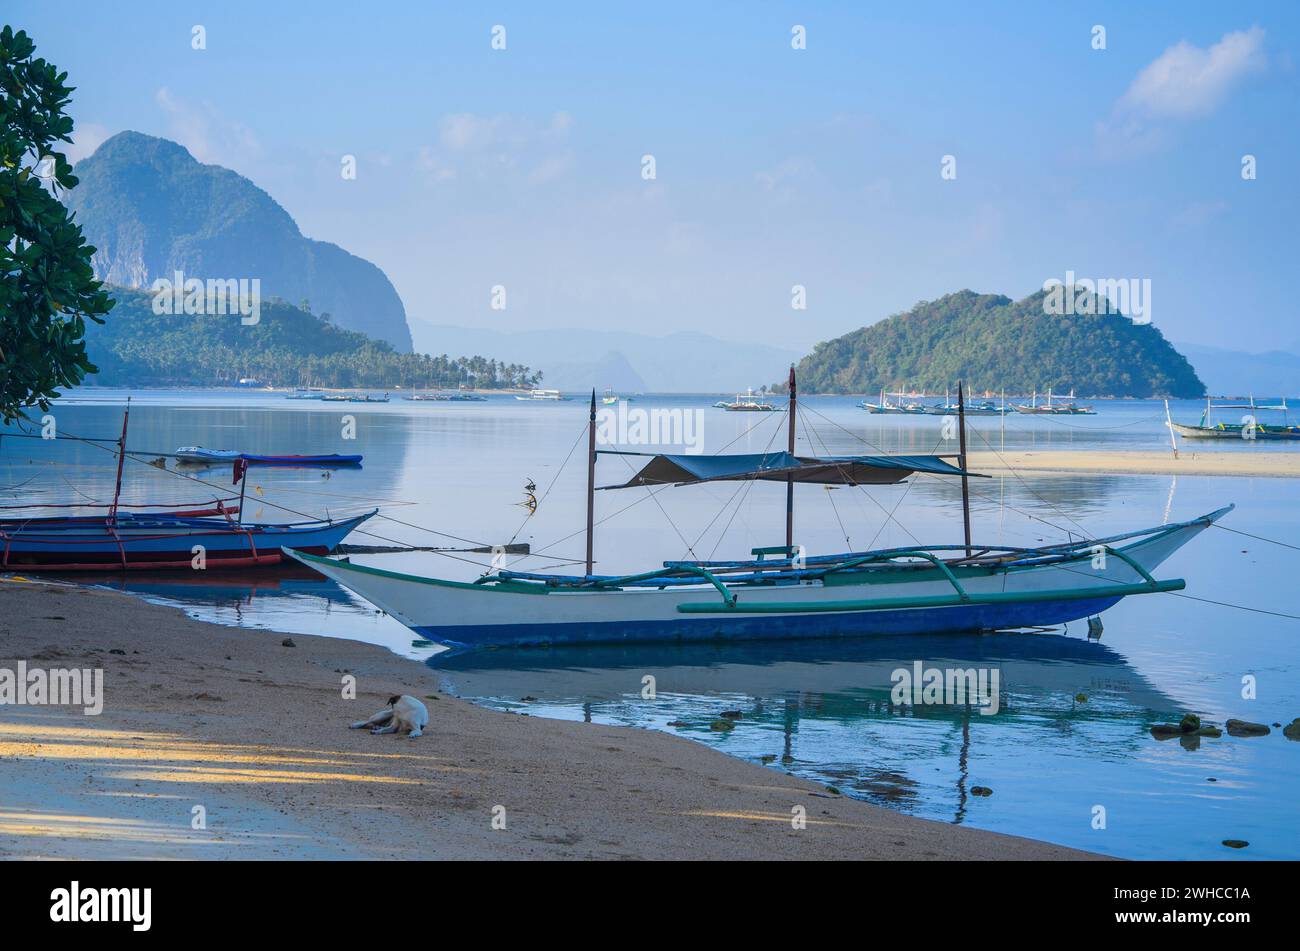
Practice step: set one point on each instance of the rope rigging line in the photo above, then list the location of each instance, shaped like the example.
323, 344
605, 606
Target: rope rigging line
600, 521
662, 510
1239, 607
749, 430
581, 432
748, 485
1100, 429
1052, 505
1190, 597
809, 431
739, 496
862, 439
907, 491
889, 514
1271, 541
134, 458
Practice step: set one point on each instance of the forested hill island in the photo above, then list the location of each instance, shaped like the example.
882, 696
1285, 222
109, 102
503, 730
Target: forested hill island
158, 218
994, 343
286, 346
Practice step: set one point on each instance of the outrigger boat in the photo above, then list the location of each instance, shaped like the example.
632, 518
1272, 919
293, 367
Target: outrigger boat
1250, 429
200, 456
886, 408
779, 592
153, 540
543, 396
1068, 408
746, 404
986, 407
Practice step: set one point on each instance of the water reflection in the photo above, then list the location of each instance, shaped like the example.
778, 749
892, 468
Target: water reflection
812, 708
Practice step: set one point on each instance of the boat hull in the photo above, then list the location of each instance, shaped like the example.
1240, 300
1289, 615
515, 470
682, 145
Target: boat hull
1235, 431
759, 627
167, 544
894, 599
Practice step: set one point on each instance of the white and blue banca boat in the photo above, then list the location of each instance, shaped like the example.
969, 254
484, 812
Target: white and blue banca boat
780, 592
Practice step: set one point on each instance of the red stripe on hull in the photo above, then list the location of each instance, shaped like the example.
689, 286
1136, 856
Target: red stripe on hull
143, 561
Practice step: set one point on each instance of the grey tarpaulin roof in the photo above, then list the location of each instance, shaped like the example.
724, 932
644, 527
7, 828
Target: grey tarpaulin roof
665, 469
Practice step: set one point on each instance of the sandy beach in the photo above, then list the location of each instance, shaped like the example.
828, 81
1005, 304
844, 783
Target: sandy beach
254, 732
1244, 462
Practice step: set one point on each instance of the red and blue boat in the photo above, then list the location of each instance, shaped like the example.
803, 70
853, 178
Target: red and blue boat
160, 540
162, 537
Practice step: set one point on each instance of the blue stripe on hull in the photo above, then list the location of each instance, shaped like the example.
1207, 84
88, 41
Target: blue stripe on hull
214, 541
721, 627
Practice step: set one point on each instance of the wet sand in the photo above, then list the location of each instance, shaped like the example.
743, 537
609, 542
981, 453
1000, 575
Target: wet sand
254, 733
1235, 462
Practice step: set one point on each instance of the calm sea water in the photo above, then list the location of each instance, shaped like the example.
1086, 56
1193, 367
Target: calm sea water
1056, 764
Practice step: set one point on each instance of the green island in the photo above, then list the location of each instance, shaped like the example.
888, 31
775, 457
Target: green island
287, 346
995, 343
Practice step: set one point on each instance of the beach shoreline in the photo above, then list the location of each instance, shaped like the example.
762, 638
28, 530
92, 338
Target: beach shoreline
1244, 463
246, 729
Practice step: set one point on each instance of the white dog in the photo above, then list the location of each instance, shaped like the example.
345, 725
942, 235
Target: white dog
403, 713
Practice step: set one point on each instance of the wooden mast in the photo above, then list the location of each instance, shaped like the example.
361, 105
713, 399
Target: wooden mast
789, 479
121, 458
965, 481
591, 476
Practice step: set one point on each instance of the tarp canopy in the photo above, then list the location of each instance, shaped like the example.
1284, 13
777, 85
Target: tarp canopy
664, 469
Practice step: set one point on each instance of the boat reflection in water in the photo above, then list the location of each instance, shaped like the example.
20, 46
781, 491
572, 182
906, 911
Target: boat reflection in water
284, 598
823, 710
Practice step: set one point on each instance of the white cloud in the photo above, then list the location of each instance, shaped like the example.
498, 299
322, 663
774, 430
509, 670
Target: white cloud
471, 145
464, 131
783, 174
210, 137
1183, 82
549, 169
1186, 80
433, 167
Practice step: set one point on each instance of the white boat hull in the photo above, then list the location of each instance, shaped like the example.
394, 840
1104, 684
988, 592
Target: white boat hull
895, 599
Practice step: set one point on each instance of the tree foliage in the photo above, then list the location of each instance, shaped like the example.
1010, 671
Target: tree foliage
47, 286
288, 346
994, 343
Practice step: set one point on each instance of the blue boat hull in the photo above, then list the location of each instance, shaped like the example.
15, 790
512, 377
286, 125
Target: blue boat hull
758, 627
143, 543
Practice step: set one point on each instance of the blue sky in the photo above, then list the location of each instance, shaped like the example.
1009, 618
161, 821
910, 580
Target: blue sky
774, 166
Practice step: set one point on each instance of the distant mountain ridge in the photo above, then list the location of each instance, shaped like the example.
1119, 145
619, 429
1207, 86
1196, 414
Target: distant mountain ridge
575, 359
993, 342
1234, 373
150, 209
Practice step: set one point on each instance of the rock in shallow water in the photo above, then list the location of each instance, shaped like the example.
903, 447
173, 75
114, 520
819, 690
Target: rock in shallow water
1246, 728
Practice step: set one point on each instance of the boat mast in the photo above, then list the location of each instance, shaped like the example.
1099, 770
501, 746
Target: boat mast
789, 479
121, 458
965, 482
591, 476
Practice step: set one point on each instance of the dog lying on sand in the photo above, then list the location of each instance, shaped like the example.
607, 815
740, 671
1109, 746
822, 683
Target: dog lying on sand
403, 714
